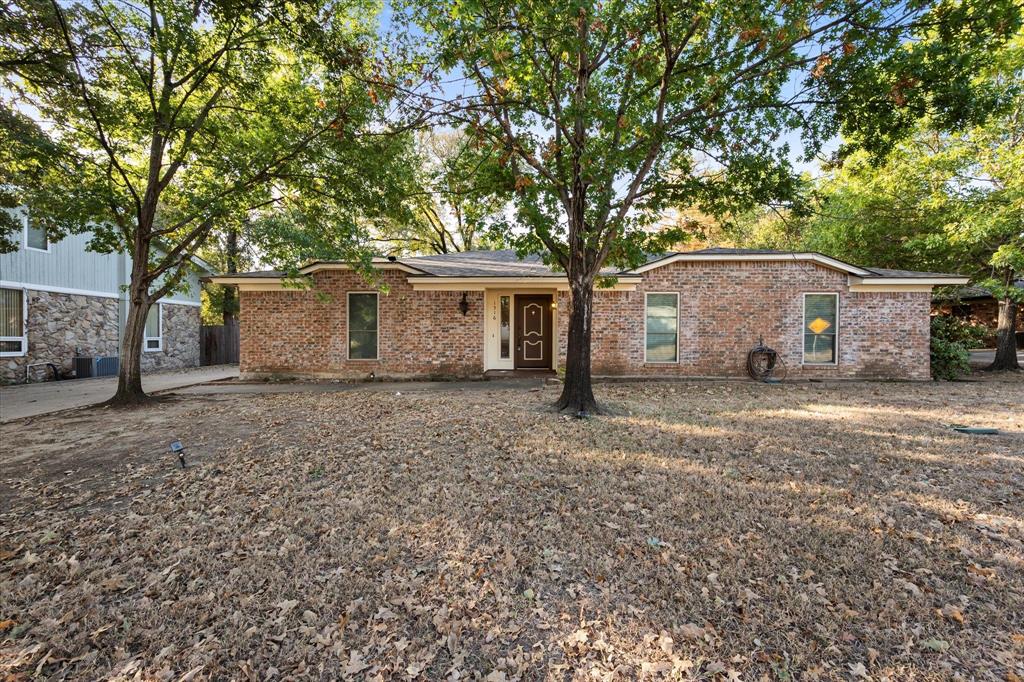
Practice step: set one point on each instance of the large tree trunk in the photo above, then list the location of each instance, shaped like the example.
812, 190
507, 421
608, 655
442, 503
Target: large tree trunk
228, 302
1006, 341
129, 379
577, 393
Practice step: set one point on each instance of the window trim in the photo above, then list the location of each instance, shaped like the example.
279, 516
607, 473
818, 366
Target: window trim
803, 331
23, 339
647, 295
160, 331
24, 233
348, 327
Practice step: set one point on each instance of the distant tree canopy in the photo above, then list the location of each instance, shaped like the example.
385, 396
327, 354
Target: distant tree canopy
458, 190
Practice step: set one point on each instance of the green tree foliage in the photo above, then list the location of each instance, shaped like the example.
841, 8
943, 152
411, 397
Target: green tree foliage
952, 339
607, 112
458, 191
173, 118
30, 42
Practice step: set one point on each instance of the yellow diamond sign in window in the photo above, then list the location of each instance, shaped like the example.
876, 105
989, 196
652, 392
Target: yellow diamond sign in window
819, 325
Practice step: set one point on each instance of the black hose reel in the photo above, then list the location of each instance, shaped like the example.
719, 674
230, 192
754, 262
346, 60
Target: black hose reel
764, 364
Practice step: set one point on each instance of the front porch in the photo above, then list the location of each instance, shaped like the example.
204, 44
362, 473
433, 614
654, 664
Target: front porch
499, 374
520, 330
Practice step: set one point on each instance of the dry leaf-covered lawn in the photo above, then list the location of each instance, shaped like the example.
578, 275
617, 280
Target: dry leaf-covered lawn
718, 531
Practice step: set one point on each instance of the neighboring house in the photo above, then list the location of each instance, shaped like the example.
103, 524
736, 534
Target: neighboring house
59, 301
680, 314
978, 306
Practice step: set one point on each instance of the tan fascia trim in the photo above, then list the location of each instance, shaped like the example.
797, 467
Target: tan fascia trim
228, 279
378, 264
258, 286
261, 283
883, 288
920, 284
516, 283
704, 257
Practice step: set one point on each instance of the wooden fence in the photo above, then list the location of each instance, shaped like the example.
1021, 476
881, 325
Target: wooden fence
219, 344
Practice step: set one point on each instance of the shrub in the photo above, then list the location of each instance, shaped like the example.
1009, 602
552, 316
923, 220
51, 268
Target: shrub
951, 340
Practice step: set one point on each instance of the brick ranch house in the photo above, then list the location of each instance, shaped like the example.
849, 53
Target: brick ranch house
681, 314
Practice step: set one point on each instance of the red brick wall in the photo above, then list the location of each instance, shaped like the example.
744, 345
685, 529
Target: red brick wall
725, 306
421, 333
983, 312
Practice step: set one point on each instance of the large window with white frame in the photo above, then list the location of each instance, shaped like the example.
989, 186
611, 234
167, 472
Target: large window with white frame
821, 328
35, 236
13, 339
363, 325
154, 340
661, 327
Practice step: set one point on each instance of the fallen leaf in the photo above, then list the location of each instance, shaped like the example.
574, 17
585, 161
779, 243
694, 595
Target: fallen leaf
934, 644
952, 613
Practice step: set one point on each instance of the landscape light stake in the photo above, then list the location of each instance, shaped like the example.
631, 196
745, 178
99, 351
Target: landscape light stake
178, 449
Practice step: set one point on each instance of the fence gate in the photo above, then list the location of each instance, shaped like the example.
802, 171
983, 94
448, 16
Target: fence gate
219, 344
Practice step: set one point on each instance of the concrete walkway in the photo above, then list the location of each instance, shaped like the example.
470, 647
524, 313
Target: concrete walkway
29, 400
425, 386
983, 357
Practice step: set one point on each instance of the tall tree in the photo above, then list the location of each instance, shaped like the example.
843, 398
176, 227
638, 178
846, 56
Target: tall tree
992, 157
227, 252
457, 192
173, 116
608, 110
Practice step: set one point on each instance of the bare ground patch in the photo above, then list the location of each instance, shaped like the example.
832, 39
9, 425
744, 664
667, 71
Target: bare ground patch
714, 531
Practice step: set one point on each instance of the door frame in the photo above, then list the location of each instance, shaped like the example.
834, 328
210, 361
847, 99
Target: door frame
492, 301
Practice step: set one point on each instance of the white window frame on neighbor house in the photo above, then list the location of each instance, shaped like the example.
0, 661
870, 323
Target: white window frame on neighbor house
646, 298
160, 330
803, 330
348, 327
23, 339
24, 232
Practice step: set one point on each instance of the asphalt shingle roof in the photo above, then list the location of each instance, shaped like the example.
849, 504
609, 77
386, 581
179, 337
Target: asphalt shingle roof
728, 251
967, 293
908, 274
506, 263
503, 263
255, 273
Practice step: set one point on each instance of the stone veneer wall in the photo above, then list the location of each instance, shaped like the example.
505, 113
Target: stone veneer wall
61, 326
180, 340
725, 306
305, 333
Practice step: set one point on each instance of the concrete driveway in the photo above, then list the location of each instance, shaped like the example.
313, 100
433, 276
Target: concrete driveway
984, 357
29, 400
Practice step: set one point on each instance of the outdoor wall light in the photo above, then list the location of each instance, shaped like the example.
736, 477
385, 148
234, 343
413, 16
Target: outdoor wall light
464, 305
178, 449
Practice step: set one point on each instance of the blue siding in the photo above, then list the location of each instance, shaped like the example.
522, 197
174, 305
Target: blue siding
68, 265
